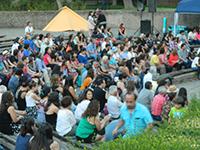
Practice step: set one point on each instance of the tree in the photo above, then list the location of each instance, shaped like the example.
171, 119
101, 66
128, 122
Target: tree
114, 2
128, 4
59, 3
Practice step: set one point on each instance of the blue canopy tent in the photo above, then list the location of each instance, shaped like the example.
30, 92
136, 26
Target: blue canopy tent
186, 7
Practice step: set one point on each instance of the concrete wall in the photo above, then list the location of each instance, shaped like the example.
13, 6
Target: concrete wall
114, 18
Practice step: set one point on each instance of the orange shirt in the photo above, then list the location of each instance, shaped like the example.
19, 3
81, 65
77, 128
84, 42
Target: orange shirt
86, 83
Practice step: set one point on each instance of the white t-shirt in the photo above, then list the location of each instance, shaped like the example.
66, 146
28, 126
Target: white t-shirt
191, 36
65, 121
81, 108
113, 106
14, 46
30, 102
195, 62
28, 29
147, 77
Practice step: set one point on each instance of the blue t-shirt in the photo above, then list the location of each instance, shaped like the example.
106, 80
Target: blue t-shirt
22, 142
137, 121
26, 53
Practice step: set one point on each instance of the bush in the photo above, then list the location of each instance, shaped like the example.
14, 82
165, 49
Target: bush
183, 134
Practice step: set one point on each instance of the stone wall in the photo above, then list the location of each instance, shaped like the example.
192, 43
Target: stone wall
114, 17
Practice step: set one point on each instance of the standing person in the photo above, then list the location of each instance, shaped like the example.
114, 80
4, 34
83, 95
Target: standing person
114, 104
32, 99
91, 21
10, 117
83, 104
145, 96
134, 116
101, 20
43, 139
66, 121
29, 29
26, 132
90, 124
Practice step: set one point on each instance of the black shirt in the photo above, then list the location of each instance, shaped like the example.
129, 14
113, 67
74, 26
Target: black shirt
99, 94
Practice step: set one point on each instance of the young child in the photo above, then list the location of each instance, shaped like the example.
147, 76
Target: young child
178, 110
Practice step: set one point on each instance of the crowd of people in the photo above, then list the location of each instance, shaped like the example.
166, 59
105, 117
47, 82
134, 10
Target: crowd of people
95, 88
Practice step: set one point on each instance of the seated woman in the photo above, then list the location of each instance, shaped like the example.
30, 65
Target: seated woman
52, 108
32, 99
83, 104
10, 117
26, 132
69, 89
66, 120
173, 61
43, 139
90, 125
26, 69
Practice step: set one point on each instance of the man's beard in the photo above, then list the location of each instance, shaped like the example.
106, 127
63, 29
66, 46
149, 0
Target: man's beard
130, 107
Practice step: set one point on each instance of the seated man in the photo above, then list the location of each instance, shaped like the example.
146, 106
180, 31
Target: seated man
134, 116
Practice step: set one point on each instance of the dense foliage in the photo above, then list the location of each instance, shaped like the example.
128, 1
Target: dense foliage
181, 134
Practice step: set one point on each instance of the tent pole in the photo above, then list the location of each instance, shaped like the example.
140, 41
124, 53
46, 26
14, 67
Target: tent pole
176, 17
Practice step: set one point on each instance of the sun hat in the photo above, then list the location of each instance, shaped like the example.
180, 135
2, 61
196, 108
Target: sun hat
172, 89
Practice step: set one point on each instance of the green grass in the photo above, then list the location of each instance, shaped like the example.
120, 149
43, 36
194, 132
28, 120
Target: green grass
183, 134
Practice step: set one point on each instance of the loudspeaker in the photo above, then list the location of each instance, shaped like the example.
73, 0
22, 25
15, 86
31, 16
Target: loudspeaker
152, 4
145, 26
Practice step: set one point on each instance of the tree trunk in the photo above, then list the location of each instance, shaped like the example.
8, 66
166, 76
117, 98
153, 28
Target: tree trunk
59, 4
114, 2
128, 4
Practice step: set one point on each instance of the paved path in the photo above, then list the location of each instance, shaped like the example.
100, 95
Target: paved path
193, 88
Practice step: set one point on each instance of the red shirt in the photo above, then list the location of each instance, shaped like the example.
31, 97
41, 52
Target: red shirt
46, 58
173, 59
157, 104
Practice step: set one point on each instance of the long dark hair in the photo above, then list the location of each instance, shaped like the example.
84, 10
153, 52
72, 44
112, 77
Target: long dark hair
183, 93
27, 127
92, 109
6, 101
42, 138
53, 99
84, 95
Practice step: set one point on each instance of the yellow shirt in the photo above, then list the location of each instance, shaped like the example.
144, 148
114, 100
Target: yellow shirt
154, 60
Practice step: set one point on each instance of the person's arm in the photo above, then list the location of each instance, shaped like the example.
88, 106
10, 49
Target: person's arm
20, 112
73, 93
35, 97
55, 146
13, 114
101, 124
119, 125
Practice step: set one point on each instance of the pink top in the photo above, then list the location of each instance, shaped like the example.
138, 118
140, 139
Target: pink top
46, 58
157, 104
198, 36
